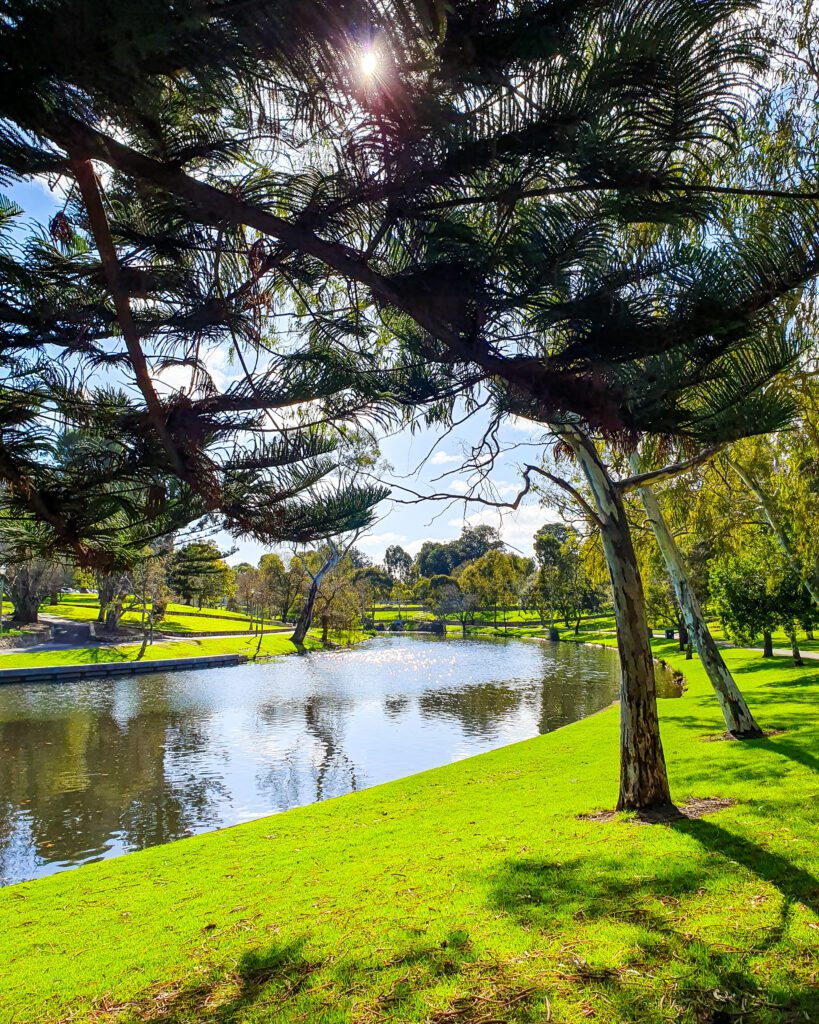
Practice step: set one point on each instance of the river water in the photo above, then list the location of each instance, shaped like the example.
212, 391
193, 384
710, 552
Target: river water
98, 768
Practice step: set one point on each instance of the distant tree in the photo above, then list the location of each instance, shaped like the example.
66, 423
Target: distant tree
755, 591
398, 563
248, 587
357, 559
495, 581
434, 559
445, 599
474, 542
276, 587
199, 574
401, 594
563, 581
376, 585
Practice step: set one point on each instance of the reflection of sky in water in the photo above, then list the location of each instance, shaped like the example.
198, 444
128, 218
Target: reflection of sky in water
97, 768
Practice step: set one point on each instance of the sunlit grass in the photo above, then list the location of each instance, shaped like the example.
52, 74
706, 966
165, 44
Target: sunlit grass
271, 644
179, 618
469, 893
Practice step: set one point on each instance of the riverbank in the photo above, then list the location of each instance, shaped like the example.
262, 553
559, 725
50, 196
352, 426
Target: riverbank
471, 893
248, 646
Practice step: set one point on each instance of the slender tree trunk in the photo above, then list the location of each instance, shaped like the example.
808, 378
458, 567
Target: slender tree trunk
306, 616
739, 721
643, 778
797, 656
683, 634
767, 644
325, 628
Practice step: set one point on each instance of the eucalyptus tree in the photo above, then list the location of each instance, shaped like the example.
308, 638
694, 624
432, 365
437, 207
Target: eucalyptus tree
511, 199
739, 720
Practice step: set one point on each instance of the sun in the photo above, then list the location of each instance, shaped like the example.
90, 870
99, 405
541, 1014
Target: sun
369, 62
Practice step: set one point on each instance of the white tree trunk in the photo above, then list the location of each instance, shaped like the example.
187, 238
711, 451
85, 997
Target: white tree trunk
643, 778
739, 721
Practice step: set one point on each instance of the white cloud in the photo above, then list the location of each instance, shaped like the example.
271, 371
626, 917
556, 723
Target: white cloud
444, 459
523, 426
517, 528
381, 540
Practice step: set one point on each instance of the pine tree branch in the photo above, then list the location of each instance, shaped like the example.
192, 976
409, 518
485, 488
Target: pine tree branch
89, 190
554, 388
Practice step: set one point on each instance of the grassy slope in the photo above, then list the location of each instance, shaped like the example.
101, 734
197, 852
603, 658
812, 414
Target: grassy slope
179, 618
271, 644
467, 894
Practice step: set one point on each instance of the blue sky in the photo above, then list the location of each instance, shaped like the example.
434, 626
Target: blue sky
424, 461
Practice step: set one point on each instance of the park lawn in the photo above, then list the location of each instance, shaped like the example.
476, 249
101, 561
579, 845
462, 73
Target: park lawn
271, 644
468, 894
179, 619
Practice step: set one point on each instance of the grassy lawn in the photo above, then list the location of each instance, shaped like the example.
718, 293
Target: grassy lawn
179, 618
272, 644
467, 895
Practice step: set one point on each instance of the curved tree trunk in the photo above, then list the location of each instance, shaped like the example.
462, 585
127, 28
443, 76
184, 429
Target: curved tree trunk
643, 778
739, 721
26, 608
306, 617
24, 588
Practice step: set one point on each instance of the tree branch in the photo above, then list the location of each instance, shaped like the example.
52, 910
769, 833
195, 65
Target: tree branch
653, 476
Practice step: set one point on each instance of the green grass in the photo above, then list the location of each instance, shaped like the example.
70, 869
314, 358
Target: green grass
179, 618
272, 644
468, 894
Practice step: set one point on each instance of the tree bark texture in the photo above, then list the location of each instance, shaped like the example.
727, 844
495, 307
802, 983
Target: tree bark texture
739, 721
643, 778
305, 619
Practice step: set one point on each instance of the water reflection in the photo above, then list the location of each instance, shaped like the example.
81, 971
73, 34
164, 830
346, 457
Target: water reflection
96, 768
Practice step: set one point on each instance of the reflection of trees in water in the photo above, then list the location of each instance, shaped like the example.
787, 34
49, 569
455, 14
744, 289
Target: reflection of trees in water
581, 682
479, 709
334, 771
83, 776
395, 705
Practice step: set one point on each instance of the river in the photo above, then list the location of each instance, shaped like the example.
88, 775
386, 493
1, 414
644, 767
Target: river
96, 768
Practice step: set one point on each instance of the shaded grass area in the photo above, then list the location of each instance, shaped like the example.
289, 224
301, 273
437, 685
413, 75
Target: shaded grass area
271, 644
466, 895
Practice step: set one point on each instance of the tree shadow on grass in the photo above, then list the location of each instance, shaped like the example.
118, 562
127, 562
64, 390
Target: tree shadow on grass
639, 945
794, 883
285, 983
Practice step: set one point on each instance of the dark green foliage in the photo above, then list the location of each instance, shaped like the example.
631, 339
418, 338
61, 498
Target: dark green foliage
515, 204
198, 573
436, 558
758, 590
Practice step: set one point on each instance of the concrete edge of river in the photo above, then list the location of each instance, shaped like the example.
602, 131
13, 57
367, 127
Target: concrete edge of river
63, 673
